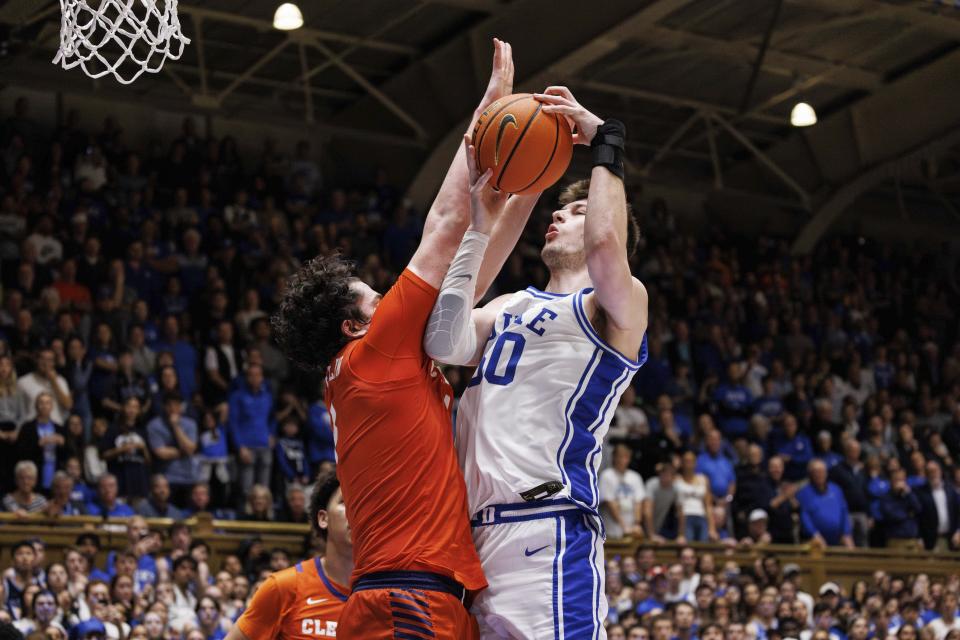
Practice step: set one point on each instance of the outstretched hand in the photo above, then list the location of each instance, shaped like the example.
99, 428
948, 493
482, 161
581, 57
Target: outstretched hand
560, 100
485, 202
501, 75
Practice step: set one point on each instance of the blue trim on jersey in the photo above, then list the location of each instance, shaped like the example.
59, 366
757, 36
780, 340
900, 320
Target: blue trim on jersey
594, 337
580, 589
586, 416
598, 585
556, 558
329, 585
299, 567
522, 511
545, 295
618, 388
569, 427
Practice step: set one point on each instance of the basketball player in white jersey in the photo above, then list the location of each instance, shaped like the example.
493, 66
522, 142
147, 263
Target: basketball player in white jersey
551, 366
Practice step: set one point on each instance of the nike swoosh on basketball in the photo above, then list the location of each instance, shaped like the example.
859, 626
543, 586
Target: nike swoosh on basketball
529, 553
504, 121
316, 600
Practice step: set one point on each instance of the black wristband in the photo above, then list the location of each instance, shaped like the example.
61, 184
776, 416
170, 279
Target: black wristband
607, 146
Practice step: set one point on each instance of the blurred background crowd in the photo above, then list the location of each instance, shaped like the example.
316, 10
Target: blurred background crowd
786, 398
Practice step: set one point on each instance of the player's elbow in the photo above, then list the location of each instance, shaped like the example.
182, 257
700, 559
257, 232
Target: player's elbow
605, 241
437, 345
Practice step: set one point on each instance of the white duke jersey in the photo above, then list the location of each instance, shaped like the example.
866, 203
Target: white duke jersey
540, 403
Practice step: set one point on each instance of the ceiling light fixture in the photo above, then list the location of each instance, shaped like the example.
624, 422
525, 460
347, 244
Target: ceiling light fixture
287, 17
803, 115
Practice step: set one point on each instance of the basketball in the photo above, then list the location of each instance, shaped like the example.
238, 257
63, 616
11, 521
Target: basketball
528, 150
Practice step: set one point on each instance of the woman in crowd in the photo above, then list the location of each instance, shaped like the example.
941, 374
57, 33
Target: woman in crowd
694, 502
212, 623
259, 505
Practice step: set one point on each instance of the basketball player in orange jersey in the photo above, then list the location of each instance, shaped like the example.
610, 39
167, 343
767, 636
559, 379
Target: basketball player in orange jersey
415, 565
304, 601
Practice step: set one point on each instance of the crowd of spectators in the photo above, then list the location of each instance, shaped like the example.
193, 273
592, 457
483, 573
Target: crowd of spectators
161, 586
708, 597
137, 373
785, 398
791, 398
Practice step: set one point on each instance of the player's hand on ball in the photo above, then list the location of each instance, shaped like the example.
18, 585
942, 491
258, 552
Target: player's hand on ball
501, 75
560, 100
485, 202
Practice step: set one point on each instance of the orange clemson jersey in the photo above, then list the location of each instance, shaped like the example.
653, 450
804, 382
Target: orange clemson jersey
298, 603
391, 412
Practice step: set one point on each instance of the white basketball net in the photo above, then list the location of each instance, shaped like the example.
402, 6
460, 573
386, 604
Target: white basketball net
89, 29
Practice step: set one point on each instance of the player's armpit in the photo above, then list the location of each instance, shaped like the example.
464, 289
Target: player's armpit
236, 634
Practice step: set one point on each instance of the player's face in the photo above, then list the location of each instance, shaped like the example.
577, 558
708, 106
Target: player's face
564, 240
367, 302
338, 529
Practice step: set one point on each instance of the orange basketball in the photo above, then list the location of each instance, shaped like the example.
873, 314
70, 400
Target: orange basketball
527, 149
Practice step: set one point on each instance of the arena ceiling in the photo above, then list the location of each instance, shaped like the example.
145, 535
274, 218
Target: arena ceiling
706, 86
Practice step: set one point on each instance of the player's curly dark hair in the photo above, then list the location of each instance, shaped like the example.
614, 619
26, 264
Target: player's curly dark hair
578, 191
326, 485
317, 300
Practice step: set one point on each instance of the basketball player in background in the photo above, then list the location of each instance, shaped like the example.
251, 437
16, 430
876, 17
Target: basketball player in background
551, 366
390, 409
305, 600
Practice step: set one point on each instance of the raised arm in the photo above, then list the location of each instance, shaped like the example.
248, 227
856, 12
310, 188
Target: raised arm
448, 217
503, 238
456, 333
622, 297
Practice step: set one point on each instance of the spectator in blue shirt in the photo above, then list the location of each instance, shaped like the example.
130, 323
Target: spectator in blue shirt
173, 438
795, 448
214, 456
681, 420
291, 454
108, 504
734, 402
651, 382
251, 428
88, 545
717, 467
185, 358
769, 404
900, 510
61, 502
824, 450
823, 509
82, 493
